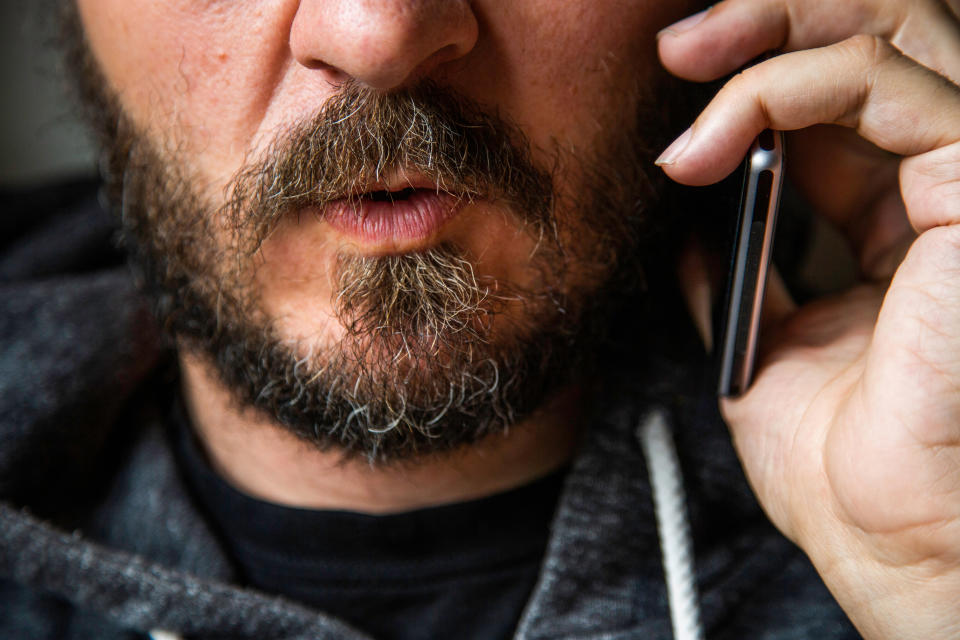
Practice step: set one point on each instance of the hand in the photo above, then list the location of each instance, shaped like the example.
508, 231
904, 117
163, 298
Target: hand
850, 434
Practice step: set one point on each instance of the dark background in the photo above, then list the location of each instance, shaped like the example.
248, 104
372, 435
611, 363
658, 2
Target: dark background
40, 139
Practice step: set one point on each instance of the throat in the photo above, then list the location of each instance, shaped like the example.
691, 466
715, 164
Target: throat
263, 460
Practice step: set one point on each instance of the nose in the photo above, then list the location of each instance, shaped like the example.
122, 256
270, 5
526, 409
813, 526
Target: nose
382, 43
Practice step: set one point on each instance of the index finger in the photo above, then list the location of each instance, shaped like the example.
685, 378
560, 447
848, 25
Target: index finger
733, 32
862, 83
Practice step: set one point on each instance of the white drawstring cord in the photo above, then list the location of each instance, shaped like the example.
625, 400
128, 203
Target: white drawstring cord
672, 525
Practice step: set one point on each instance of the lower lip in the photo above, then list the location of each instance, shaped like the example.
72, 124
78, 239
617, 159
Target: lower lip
417, 217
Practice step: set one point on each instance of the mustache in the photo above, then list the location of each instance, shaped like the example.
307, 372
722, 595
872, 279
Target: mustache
361, 137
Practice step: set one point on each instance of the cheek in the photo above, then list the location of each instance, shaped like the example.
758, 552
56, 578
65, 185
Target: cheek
196, 76
572, 71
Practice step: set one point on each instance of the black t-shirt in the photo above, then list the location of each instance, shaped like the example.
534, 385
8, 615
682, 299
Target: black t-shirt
463, 570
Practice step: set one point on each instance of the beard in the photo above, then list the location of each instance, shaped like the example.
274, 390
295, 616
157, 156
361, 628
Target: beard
433, 356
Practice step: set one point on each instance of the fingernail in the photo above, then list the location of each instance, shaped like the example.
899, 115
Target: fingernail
675, 150
677, 28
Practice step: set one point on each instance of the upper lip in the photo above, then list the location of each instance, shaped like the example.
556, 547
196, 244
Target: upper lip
398, 181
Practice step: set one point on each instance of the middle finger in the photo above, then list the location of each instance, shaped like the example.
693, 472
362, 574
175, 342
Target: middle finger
733, 32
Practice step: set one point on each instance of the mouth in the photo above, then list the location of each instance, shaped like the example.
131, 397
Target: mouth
392, 214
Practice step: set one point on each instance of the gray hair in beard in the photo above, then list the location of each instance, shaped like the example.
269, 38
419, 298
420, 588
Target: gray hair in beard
362, 135
419, 370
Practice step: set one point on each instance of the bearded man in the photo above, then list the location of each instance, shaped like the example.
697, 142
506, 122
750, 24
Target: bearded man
407, 330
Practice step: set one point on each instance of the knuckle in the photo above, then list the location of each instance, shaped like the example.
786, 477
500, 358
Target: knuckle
939, 246
745, 82
930, 184
749, 76
870, 50
947, 236
737, 80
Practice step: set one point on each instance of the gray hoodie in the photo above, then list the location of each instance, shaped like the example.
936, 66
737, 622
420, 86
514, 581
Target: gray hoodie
99, 537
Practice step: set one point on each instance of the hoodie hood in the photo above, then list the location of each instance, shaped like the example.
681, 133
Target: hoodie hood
96, 517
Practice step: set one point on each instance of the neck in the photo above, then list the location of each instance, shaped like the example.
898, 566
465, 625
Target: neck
262, 459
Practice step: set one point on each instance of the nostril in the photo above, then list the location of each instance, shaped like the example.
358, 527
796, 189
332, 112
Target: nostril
335, 74
382, 44
445, 54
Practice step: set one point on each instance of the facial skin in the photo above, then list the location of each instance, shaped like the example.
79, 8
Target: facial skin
215, 88
848, 432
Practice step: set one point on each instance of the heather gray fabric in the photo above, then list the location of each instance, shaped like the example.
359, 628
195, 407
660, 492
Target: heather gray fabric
99, 537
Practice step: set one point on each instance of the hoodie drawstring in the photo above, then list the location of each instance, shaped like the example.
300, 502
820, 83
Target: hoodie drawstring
673, 525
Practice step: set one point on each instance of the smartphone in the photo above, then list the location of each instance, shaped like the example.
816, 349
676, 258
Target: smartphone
752, 248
